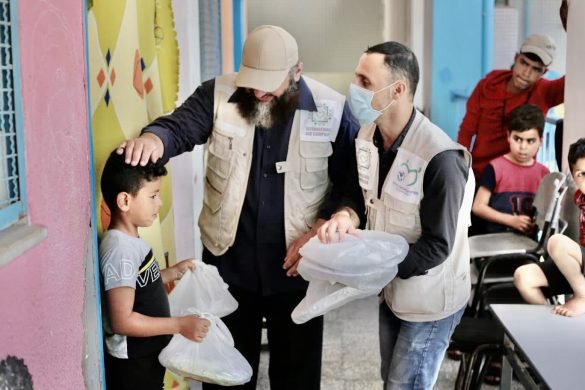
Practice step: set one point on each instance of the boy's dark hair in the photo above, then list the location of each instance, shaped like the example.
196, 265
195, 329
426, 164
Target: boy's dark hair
576, 151
526, 117
121, 177
401, 61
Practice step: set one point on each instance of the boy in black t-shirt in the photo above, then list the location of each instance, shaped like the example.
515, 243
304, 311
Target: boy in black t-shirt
138, 324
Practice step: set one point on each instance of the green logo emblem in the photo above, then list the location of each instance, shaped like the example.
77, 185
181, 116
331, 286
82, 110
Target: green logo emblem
406, 175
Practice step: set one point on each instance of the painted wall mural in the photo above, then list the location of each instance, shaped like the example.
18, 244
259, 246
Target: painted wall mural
130, 85
133, 73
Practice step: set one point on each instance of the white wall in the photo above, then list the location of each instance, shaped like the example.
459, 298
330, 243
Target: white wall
575, 82
542, 16
405, 22
331, 34
506, 36
187, 184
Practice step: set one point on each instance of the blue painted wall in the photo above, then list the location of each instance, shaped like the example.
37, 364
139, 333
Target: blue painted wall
461, 51
239, 32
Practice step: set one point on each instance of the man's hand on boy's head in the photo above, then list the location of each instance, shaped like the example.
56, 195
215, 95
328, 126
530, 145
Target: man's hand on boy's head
139, 150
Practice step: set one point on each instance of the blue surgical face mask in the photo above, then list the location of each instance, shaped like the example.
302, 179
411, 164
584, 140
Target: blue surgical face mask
360, 103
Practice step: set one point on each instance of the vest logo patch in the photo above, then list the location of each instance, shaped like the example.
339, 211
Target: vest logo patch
318, 126
322, 115
406, 175
403, 182
363, 157
367, 163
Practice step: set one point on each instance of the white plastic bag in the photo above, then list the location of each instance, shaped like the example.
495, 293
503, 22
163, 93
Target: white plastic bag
203, 290
344, 271
367, 262
323, 297
368, 280
214, 360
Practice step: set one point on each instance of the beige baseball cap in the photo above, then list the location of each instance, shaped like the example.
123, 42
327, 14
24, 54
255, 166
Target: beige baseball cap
269, 52
541, 45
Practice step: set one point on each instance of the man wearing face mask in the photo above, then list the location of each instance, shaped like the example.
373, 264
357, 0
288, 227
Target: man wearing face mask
408, 178
277, 141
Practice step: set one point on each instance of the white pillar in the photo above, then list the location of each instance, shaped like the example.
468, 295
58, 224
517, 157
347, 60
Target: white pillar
404, 22
187, 169
574, 125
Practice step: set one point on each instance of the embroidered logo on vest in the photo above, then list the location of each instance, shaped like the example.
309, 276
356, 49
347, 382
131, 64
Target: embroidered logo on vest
318, 126
364, 156
407, 176
323, 113
403, 180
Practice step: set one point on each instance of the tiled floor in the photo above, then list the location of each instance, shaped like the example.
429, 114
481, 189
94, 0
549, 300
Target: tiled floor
350, 352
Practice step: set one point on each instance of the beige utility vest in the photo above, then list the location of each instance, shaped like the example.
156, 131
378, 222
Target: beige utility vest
229, 157
446, 287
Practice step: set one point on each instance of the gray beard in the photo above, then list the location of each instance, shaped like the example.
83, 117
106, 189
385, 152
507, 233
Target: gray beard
263, 116
266, 115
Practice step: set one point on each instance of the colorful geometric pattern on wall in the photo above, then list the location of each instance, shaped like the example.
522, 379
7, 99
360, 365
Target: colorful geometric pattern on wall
128, 88
127, 79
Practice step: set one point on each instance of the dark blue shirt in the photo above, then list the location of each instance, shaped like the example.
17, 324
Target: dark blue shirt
255, 260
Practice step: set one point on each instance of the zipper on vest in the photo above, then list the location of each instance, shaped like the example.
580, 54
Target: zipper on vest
231, 143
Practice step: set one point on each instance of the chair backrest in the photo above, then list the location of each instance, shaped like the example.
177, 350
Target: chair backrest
547, 197
569, 213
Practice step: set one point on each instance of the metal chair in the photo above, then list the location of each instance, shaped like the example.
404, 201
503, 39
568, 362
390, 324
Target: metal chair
569, 213
504, 252
481, 338
545, 202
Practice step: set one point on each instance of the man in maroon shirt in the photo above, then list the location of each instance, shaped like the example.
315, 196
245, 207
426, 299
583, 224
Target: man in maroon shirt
500, 92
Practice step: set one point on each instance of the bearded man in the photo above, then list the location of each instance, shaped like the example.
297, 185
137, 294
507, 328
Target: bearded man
276, 141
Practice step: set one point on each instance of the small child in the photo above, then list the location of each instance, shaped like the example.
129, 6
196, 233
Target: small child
563, 272
508, 184
138, 324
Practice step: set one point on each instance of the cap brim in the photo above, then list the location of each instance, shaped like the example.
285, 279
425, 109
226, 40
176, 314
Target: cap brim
544, 56
263, 80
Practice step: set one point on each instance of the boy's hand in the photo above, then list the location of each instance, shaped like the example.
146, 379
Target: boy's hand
194, 327
179, 269
522, 223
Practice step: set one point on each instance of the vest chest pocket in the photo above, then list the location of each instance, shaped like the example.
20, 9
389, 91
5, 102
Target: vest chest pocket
219, 161
398, 218
315, 173
219, 167
400, 213
211, 196
314, 164
407, 293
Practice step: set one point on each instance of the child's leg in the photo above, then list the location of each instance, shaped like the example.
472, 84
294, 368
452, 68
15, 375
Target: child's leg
567, 255
529, 279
